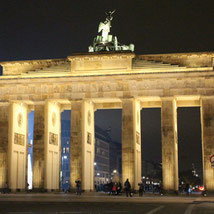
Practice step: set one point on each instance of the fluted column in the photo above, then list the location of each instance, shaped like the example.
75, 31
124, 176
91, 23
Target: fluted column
3, 144
169, 144
82, 144
207, 126
52, 145
17, 146
38, 147
131, 142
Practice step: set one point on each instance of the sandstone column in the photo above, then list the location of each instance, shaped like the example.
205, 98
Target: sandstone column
169, 144
52, 145
82, 144
17, 147
3, 144
131, 142
207, 126
38, 147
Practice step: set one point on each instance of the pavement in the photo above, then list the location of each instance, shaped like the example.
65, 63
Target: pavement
98, 203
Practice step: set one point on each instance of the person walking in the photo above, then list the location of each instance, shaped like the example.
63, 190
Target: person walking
110, 186
114, 188
6, 188
141, 188
187, 188
127, 186
119, 188
78, 186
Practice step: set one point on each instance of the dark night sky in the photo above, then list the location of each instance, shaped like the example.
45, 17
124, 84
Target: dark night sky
38, 29
41, 29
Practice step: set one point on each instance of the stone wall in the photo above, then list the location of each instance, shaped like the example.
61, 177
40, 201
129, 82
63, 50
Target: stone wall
117, 86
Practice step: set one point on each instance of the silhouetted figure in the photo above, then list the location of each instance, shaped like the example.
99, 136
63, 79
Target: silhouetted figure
187, 189
78, 186
114, 189
6, 188
110, 186
141, 188
119, 188
28, 186
127, 186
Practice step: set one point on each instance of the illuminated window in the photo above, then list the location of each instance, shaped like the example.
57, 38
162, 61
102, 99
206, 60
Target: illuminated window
64, 150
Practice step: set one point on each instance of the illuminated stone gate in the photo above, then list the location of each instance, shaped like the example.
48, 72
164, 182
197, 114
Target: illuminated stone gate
86, 82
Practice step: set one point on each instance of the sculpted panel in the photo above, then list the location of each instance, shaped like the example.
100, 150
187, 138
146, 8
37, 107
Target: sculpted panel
19, 139
53, 139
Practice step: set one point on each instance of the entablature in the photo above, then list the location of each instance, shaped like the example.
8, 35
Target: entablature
109, 63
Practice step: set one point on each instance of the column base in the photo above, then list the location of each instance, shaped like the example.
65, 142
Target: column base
170, 192
73, 190
39, 190
16, 190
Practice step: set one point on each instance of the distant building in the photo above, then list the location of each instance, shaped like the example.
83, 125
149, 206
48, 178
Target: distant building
102, 158
107, 156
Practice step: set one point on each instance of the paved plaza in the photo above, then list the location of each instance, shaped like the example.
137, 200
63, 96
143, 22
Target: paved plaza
96, 203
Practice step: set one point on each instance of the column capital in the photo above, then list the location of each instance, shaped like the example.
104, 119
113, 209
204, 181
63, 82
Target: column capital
207, 97
4, 103
128, 99
65, 107
168, 98
30, 108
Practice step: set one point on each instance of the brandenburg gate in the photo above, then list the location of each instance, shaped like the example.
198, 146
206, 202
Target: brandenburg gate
84, 83
110, 76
